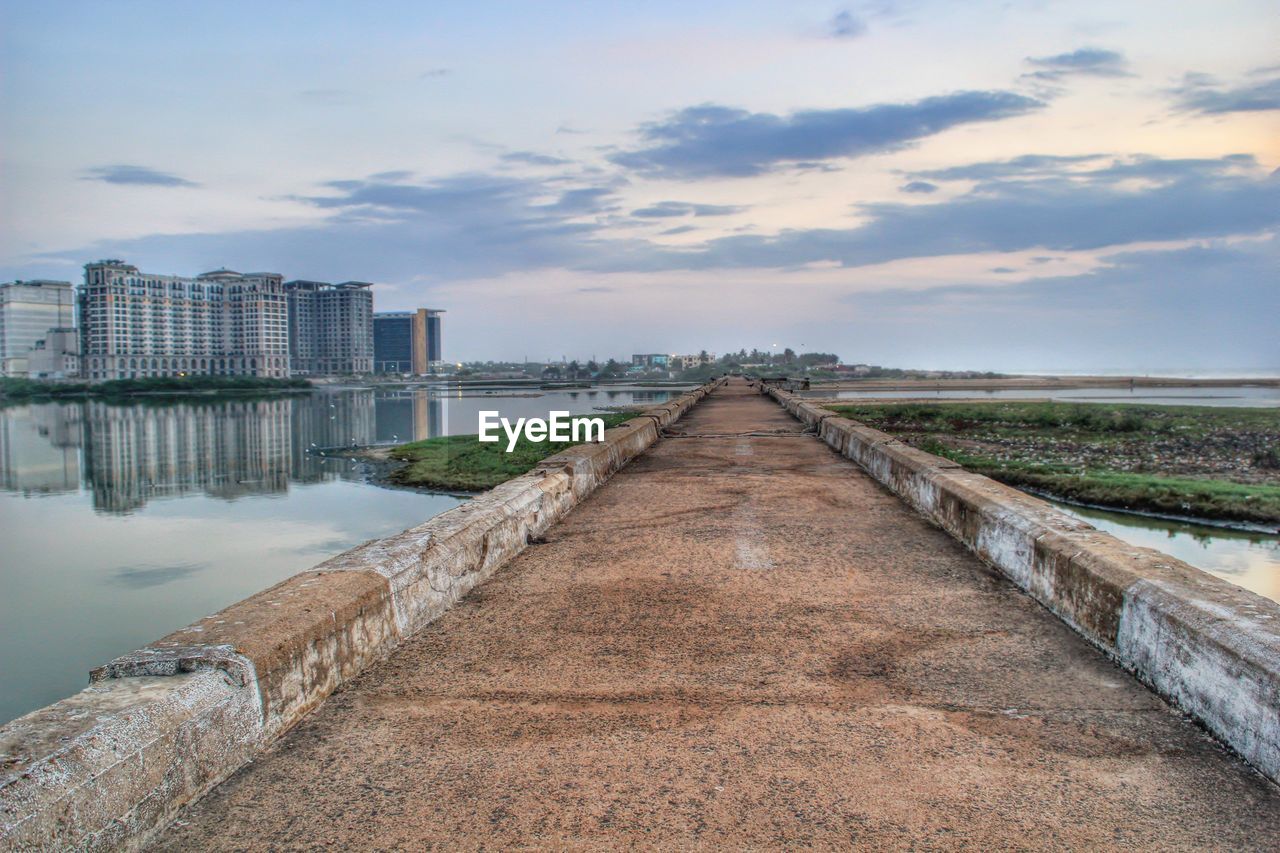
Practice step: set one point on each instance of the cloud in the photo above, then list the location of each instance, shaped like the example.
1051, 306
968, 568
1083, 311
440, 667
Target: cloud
396, 230
532, 158
1085, 62
595, 290
580, 202
664, 209
717, 141
843, 25
1003, 270
1025, 166
144, 577
919, 187
327, 95
471, 197
1204, 94
432, 73
679, 229
1068, 211
477, 225
135, 176
1213, 304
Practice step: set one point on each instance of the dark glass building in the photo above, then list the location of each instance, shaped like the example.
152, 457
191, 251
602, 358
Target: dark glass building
407, 341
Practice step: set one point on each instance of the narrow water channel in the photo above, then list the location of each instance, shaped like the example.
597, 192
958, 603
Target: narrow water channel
1250, 560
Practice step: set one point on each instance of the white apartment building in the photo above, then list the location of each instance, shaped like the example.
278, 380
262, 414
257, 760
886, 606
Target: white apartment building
330, 327
29, 310
221, 323
686, 362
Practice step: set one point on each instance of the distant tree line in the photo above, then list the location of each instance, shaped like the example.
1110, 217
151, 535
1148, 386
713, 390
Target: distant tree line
815, 364
24, 389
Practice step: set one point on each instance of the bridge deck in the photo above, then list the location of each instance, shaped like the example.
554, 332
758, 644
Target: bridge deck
742, 639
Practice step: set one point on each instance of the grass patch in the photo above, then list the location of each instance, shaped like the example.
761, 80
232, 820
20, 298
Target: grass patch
1195, 461
463, 463
1097, 419
1212, 499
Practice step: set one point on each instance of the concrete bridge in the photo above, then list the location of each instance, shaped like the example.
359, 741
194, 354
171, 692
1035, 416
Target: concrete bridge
741, 638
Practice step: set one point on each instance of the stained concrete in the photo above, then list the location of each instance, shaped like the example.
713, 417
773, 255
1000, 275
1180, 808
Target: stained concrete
741, 639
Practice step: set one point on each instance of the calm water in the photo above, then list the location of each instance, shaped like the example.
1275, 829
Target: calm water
1250, 560
1244, 395
121, 523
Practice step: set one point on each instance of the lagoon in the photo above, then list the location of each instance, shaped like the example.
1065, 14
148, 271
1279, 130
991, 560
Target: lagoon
123, 521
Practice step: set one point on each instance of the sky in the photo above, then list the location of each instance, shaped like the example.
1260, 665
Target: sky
1040, 186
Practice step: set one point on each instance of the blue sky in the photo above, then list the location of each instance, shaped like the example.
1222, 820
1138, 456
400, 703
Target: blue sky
989, 185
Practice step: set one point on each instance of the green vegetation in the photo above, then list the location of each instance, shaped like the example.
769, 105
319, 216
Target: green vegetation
462, 463
1198, 461
28, 389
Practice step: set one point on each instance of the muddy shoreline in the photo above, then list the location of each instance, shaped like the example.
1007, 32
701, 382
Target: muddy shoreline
1034, 383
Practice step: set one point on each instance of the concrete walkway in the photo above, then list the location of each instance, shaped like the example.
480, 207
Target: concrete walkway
742, 640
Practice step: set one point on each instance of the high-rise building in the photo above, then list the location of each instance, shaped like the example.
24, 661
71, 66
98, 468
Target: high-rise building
435, 343
223, 323
29, 310
407, 341
330, 327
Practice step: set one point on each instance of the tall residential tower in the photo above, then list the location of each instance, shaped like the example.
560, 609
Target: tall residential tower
330, 327
224, 323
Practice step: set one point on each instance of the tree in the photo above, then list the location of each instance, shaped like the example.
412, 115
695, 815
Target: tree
809, 359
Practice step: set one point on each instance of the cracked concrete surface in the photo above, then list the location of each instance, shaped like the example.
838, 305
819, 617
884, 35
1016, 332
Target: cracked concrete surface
742, 640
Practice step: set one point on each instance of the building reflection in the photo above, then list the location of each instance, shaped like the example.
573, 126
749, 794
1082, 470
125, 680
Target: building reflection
409, 416
40, 448
128, 455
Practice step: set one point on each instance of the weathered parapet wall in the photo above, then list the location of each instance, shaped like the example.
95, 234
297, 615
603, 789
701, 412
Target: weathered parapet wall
155, 729
1208, 646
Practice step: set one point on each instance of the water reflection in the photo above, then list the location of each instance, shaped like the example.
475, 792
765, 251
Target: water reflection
121, 522
40, 448
1250, 560
127, 455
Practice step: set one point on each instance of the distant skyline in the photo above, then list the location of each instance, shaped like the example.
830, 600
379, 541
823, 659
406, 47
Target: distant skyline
989, 186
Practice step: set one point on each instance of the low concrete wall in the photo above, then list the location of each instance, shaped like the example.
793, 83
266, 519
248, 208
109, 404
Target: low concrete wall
1208, 646
157, 728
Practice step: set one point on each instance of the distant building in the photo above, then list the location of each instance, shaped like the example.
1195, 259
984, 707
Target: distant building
223, 323
330, 327
435, 343
407, 341
688, 362
651, 361
56, 356
668, 361
28, 311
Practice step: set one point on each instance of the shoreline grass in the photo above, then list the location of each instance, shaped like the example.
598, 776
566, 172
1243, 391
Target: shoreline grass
461, 463
23, 390
1212, 463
